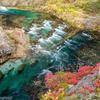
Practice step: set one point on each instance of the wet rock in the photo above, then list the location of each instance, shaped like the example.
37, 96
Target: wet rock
1, 75
21, 68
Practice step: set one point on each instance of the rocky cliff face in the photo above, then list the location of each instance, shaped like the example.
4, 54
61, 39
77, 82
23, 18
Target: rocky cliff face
12, 44
6, 46
20, 2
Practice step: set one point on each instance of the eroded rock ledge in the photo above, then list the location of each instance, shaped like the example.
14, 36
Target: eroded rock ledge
12, 44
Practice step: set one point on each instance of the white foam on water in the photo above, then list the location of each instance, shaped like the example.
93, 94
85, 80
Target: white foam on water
87, 35
33, 30
3, 8
47, 25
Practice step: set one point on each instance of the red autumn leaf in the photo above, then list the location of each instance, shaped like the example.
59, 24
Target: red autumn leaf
98, 64
71, 78
89, 88
97, 68
97, 83
48, 76
85, 70
71, 93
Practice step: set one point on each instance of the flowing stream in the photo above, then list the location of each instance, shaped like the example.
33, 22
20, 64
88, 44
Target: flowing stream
49, 50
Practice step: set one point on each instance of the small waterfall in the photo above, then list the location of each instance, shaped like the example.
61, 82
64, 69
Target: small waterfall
40, 35
40, 32
53, 41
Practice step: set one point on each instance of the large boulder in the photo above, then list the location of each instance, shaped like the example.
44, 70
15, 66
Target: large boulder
12, 44
6, 47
